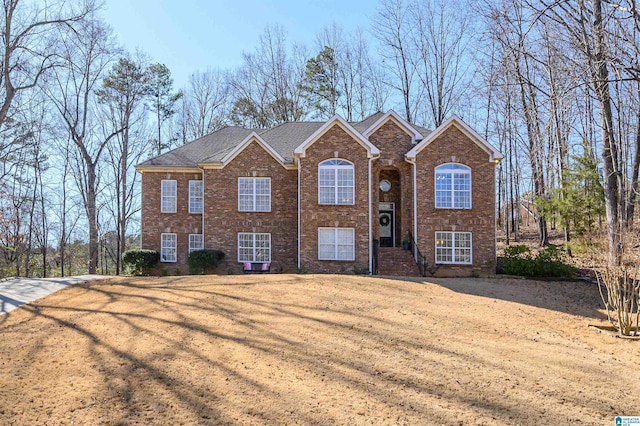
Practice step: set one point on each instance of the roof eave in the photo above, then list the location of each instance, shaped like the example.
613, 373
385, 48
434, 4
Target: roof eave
165, 168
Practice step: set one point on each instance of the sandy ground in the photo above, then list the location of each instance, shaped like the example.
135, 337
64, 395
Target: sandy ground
315, 349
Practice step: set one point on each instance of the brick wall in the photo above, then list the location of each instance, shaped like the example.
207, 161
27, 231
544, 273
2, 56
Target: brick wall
454, 146
393, 143
224, 221
181, 223
335, 143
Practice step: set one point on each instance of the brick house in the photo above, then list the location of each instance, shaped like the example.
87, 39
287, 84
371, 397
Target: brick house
330, 196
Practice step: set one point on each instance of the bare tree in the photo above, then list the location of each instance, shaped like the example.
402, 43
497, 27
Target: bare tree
441, 38
392, 27
28, 42
266, 86
122, 94
87, 54
204, 106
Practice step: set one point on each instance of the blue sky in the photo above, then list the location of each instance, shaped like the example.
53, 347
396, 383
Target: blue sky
190, 35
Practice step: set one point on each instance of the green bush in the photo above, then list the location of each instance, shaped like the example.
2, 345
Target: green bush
202, 261
549, 262
139, 261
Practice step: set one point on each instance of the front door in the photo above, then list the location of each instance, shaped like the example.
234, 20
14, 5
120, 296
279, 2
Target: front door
387, 224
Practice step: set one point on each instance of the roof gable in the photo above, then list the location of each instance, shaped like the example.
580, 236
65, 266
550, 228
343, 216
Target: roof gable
399, 121
494, 154
252, 137
336, 120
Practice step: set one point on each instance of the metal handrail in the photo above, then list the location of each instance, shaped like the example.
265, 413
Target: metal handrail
421, 260
376, 245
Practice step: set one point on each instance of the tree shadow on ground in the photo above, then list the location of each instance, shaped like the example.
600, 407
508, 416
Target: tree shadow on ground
173, 343
580, 298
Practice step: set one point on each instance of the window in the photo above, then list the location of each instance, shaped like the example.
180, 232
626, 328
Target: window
168, 243
453, 186
336, 244
195, 242
335, 182
196, 196
453, 247
168, 193
254, 247
254, 194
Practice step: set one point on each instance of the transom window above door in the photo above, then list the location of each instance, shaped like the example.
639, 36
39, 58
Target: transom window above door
335, 182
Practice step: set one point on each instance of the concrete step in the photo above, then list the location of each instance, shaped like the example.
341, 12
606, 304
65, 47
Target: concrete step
395, 261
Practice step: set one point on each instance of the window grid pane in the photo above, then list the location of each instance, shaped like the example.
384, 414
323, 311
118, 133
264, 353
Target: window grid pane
254, 194
335, 182
196, 196
254, 247
195, 242
168, 248
168, 194
336, 244
453, 186
453, 247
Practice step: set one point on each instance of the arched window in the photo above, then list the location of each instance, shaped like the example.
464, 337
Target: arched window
335, 182
453, 186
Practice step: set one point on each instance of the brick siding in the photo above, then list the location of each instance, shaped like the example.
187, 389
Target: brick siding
182, 223
454, 146
223, 221
335, 143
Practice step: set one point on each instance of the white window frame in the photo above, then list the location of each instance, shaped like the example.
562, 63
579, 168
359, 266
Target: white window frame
454, 174
164, 248
253, 195
334, 166
454, 251
254, 250
168, 202
194, 244
196, 197
336, 243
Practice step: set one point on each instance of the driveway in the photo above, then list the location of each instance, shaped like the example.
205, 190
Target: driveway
18, 291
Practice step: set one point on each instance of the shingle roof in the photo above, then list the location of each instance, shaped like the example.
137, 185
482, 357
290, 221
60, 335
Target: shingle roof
284, 139
363, 125
210, 148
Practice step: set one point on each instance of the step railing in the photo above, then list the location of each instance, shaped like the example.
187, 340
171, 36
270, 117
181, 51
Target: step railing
421, 260
374, 266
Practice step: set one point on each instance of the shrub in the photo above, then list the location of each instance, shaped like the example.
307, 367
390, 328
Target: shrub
549, 262
139, 261
622, 302
202, 261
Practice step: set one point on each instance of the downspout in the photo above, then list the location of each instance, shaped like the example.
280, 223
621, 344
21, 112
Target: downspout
415, 204
299, 236
203, 198
370, 225
370, 195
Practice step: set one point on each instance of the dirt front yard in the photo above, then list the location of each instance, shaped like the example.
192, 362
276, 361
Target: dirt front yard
315, 349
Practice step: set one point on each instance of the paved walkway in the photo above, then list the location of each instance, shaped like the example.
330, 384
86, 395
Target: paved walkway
18, 291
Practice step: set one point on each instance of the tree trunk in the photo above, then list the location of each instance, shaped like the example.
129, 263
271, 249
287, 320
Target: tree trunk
634, 185
611, 181
92, 217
